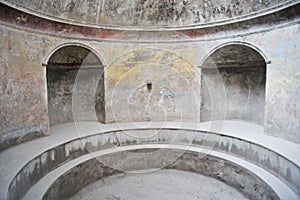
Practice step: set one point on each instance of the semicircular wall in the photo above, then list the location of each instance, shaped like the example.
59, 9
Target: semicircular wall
267, 159
143, 14
241, 179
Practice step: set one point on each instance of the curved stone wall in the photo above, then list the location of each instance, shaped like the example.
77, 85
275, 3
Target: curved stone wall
140, 87
23, 53
29, 40
147, 14
92, 170
64, 96
261, 156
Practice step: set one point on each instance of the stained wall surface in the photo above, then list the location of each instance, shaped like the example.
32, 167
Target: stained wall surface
72, 95
60, 89
23, 100
73, 72
283, 85
244, 94
24, 89
240, 71
152, 85
147, 14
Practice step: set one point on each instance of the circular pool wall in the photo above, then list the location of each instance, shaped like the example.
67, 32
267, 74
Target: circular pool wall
233, 175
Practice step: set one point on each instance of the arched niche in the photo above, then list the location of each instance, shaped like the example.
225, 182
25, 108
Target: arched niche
73, 74
242, 71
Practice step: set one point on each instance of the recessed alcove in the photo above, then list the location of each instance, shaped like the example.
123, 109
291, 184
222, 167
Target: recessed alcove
153, 115
73, 73
240, 72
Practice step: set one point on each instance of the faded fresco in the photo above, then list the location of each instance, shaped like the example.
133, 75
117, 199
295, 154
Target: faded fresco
151, 13
138, 88
179, 12
23, 87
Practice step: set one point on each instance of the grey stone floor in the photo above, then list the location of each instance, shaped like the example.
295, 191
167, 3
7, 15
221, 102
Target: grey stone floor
162, 184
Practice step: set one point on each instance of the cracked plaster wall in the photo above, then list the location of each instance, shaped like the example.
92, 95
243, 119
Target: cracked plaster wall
73, 73
23, 103
283, 84
244, 94
146, 13
152, 85
23, 79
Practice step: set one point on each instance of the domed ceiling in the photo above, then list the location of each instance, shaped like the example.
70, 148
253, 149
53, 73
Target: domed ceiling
147, 14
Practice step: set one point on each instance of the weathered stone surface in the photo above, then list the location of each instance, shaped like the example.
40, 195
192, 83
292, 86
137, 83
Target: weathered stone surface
169, 184
60, 90
231, 174
83, 175
73, 73
141, 86
22, 90
261, 156
241, 72
23, 80
143, 13
283, 85
244, 27
177, 12
244, 95
149, 76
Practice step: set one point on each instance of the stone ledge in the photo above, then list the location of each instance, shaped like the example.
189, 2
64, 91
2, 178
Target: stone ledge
62, 136
46, 187
20, 136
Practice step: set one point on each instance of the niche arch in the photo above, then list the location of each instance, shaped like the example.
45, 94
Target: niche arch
242, 69
246, 44
73, 70
60, 46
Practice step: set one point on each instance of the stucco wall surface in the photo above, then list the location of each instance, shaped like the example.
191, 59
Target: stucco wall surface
23, 90
23, 100
147, 14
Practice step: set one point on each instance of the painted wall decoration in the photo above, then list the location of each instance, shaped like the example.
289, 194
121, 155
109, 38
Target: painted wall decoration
23, 82
147, 13
139, 87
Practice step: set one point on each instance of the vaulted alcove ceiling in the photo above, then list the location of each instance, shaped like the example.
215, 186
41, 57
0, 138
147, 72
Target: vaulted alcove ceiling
73, 55
149, 14
234, 55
